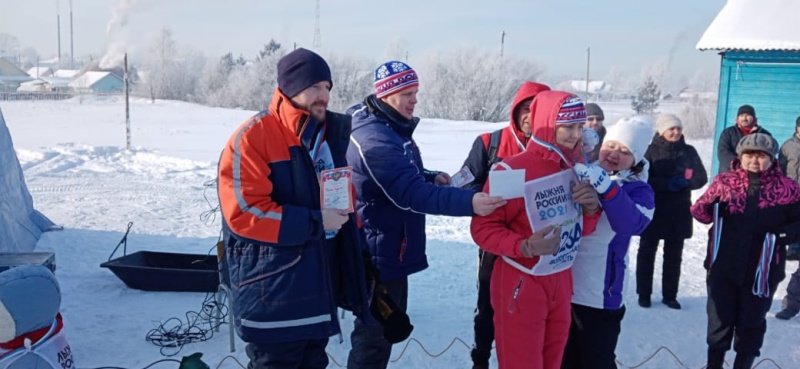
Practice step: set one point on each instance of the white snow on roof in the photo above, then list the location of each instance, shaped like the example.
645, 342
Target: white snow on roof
65, 73
594, 86
37, 72
88, 79
754, 25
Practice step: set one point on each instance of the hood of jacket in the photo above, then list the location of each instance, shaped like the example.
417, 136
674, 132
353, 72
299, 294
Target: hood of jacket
528, 90
544, 111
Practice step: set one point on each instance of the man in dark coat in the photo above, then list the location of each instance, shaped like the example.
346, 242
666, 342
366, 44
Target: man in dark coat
789, 159
394, 191
746, 123
675, 170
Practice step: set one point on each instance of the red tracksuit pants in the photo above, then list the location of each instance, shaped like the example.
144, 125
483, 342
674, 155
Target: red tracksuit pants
531, 317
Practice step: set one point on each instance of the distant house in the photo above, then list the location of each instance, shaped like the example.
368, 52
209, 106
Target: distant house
760, 47
11, 76
37, 85
597, 89
39, 72
98, 82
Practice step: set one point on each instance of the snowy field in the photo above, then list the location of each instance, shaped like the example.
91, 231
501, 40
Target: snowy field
82, 178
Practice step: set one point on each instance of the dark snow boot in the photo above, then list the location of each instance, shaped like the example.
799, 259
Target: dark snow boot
716, 358
744, 361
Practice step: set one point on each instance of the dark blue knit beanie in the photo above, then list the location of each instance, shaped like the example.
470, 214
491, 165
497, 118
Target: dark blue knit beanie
300, 69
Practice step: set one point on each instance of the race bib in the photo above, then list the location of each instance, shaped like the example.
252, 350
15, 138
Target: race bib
548, 201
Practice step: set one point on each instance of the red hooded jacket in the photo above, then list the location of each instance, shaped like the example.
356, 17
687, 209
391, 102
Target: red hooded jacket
512, 139
502, 231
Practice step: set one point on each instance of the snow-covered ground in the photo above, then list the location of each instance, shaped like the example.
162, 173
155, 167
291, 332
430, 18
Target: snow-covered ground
81, 177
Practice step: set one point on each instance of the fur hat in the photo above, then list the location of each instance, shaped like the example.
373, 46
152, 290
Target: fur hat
633, 132
301, 69
666, 121
757, 142
394, 76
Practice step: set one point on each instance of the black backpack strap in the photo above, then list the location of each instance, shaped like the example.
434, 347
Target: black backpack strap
494, 143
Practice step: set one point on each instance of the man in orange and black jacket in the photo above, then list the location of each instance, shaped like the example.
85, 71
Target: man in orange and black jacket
291, 263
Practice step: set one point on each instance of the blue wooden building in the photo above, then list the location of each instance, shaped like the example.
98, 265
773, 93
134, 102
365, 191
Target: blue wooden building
759, 43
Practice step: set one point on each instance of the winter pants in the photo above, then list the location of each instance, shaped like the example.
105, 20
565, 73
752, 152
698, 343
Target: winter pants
792, 298
484, 315
532, 317
736, 314
369, 350
308, 354
593, 338
671, 272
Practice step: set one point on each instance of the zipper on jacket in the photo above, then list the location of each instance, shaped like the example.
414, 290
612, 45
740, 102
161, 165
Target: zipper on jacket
512, 306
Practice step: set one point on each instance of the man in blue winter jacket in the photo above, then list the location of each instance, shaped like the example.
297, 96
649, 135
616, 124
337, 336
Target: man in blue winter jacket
394, 192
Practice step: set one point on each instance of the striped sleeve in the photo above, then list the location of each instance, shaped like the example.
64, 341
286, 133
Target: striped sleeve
245, 191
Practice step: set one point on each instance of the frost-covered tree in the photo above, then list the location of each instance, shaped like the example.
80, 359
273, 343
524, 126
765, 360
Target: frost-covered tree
352, 80
171, 72
699, 118
269, 49
467, 84
647, 96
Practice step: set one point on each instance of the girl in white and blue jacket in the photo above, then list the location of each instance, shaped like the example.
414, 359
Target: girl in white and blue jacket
599, 271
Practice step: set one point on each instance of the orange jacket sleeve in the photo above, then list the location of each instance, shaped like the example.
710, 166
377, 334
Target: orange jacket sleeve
245, 191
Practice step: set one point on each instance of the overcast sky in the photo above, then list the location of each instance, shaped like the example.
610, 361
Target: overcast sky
621, 33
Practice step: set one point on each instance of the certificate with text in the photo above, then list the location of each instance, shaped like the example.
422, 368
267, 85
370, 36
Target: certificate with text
335, 187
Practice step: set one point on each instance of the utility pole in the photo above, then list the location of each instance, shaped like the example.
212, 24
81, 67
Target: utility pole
127, 106
317, 34
406, 56
71, 44
588, 62
502, 43
58, 24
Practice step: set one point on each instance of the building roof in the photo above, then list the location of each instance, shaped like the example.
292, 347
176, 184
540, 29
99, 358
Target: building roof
65, 73
37, 72
754, 25
88, 79
594, 86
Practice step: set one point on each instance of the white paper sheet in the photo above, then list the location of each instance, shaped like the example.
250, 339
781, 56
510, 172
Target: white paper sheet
508, 184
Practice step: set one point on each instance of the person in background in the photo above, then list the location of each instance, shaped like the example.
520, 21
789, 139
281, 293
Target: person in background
290, 261
488, 149
394, 191
675, 170
755, 211
746, 123
594, 120
600, 268
532, 311
789, 159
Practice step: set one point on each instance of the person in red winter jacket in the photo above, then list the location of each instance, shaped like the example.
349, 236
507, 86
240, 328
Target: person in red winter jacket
531, 284
488, 149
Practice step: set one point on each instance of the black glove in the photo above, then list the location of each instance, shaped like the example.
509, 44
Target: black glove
677, 184
396, 325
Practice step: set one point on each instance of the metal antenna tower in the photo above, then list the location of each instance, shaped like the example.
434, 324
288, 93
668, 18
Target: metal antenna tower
317, 34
